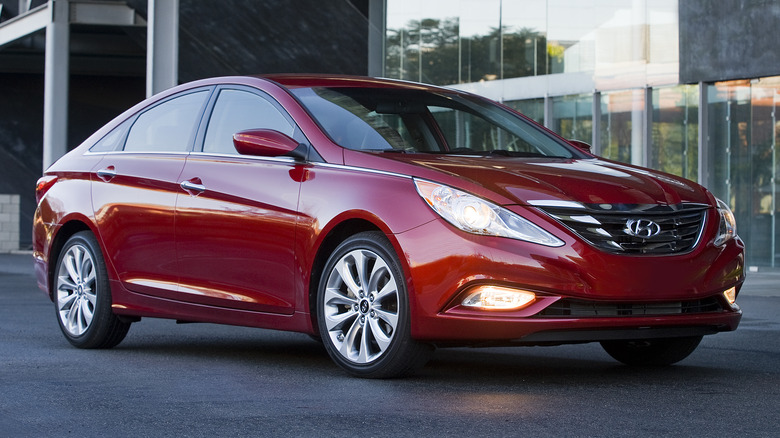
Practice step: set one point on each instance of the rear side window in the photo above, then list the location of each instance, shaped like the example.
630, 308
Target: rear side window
169, 126
113, 140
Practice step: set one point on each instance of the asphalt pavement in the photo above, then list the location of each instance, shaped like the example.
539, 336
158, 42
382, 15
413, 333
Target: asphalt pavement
206, 380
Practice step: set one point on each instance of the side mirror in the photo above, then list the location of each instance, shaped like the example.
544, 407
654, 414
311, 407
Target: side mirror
581, 145
264, 143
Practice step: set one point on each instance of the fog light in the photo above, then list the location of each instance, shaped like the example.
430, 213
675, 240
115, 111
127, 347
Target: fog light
731, 295
498, 298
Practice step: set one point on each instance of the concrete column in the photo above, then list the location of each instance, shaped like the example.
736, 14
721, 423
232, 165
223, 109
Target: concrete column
548, 112
704, 136
377, 11
56, 75
639, 127
648, 129
595, 141
162, 46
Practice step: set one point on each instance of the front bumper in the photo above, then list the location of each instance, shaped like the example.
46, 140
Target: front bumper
576, 272
550, 331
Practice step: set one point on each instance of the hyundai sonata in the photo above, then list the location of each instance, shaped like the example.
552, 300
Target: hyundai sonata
384, 218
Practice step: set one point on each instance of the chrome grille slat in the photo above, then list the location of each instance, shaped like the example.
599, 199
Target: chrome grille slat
604, 226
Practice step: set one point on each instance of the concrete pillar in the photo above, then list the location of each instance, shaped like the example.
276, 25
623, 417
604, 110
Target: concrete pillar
639, 128
162, 46
595, 138
548, 112
377, 11
56, 75
647, 129
704, 132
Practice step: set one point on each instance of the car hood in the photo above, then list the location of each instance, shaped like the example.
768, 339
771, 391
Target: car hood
589, 181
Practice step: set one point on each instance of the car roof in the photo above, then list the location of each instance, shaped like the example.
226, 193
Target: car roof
334, 81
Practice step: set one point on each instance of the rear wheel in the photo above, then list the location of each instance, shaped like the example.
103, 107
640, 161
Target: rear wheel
652, 352
82, 296
363, 310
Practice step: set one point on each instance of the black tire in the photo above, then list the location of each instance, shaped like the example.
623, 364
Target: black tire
652, 352
82, 296
365, 325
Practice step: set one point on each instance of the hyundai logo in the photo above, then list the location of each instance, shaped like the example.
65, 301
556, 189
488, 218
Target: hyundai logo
642, 228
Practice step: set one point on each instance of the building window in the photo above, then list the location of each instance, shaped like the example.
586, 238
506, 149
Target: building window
446, 42
675, 131
531, 108
743, 161
622, 125
573, 117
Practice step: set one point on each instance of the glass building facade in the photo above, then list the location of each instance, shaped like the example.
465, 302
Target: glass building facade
605, 72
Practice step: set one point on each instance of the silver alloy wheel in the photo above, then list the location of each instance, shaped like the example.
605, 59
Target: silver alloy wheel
361, 306
76, 290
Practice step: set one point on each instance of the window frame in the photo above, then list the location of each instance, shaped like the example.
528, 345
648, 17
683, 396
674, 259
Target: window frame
208, 113
193, 130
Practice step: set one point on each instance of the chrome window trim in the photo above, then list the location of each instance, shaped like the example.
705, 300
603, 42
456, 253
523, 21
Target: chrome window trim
360, 169
183, 153
282, 159
285, 160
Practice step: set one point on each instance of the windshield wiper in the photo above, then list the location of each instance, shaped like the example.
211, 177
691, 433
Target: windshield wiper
464, 151
506, 153
390, 150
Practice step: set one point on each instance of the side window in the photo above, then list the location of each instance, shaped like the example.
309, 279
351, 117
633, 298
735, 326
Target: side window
113, 140
237, 111
168, 127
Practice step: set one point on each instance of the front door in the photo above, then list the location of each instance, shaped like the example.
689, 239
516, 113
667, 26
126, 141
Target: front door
236, 216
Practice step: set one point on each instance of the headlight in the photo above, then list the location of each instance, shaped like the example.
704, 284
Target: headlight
475, 215
728, 224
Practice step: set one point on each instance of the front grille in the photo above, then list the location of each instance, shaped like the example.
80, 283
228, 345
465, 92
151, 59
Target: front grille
634, 229
584, 309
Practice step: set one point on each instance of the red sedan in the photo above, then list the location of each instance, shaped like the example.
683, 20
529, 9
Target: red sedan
383, 217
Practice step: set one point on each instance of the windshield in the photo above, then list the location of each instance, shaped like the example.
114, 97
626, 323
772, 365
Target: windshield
415, 121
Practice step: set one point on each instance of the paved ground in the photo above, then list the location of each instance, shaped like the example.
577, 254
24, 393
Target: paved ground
208, 380
765, 283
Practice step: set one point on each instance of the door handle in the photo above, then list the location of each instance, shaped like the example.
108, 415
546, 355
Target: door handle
193, 186
107, 174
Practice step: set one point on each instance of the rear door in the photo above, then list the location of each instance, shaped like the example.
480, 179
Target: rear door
235, 224
135, 191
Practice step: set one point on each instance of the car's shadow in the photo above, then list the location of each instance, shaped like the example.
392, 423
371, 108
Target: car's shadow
295, 352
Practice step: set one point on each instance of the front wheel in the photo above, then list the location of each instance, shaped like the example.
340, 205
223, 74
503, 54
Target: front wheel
652, 352
363, 310
83, 298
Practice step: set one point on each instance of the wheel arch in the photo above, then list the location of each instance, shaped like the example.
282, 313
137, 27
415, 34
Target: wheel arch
339, 233
64, 233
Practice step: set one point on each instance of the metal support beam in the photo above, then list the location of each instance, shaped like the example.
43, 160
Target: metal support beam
105, 14
25, 24
162, 46
56, 81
